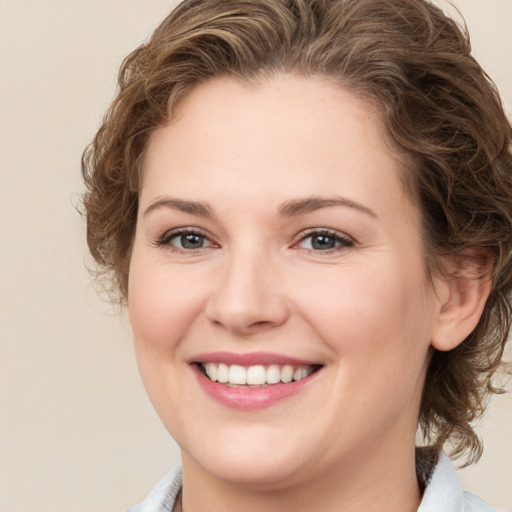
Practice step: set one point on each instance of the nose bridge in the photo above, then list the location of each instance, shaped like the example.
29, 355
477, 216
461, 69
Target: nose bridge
248, 297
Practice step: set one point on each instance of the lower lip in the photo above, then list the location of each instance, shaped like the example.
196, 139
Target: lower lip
247, 398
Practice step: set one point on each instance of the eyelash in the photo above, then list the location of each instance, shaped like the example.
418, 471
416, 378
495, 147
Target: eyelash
342, 242
165, 240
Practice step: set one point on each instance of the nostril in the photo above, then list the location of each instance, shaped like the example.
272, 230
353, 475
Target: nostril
261, 323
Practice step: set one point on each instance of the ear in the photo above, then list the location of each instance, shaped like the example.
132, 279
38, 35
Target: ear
462, 294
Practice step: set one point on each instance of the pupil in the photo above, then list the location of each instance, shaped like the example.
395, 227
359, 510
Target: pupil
191, 241
323, 242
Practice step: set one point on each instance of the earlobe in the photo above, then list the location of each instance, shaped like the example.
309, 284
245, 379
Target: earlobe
462, 297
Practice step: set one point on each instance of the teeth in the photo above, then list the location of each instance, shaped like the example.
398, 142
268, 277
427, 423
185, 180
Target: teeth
287, 373
223, 373
273, 374
211, 371
257, 375
237, 374
300, 373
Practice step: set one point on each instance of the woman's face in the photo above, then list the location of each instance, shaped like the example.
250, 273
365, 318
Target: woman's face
274, 241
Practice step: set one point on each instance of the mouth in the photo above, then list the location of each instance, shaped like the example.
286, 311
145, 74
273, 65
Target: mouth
253, 381
255, 376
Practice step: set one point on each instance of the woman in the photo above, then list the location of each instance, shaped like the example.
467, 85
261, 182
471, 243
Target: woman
306, 205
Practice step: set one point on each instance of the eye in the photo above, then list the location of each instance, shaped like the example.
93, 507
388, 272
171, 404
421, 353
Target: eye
185, 240
324, 241
189, 241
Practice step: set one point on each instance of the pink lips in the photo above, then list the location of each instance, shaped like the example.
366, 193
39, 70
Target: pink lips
249, 398
249, 359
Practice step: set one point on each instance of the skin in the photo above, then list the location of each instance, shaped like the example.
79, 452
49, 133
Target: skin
364, 308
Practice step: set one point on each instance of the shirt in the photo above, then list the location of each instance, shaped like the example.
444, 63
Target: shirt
443, 493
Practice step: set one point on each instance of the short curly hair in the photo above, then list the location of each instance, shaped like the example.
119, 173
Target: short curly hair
440, 110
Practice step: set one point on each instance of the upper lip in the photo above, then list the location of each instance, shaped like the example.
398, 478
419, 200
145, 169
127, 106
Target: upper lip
249, 359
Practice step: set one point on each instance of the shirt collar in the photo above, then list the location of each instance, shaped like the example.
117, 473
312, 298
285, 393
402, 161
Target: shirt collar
443, 491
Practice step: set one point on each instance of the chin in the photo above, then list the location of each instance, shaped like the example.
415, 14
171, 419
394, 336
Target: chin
261, 475
257, 463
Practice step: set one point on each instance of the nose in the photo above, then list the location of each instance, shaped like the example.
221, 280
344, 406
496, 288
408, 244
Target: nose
248, 298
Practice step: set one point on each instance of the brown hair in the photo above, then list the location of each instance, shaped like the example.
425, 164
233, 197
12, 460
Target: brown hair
440, 110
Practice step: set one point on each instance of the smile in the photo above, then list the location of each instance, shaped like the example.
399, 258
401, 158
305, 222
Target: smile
256, 375
252, 381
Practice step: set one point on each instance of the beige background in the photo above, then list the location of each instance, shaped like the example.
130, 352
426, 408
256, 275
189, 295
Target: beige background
77, 433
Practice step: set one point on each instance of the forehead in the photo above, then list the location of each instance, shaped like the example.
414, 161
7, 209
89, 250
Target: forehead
277, 100
286, 135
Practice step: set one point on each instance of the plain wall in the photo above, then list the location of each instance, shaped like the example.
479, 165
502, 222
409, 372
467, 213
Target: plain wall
77, 433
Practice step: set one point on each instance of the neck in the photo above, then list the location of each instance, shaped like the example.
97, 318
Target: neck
380, 482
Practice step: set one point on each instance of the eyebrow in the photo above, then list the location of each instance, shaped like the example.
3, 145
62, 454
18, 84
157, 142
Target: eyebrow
297, 207
291, 208
192, 207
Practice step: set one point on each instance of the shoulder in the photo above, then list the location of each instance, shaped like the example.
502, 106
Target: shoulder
444, 492
473, 503
163, 496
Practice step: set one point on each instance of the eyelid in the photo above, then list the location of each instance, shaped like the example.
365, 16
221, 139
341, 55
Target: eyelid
164, 239
346, 240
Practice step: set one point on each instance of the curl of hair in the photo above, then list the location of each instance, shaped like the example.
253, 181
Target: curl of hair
440, 110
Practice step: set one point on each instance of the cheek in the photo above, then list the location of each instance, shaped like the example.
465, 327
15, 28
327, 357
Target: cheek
162, 303
371, 316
